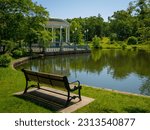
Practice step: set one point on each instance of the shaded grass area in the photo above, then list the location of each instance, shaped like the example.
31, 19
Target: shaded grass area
12, 81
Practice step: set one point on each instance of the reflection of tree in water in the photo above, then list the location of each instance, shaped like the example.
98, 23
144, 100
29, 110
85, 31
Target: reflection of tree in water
123, 63
120, 64
96, 54
145, 88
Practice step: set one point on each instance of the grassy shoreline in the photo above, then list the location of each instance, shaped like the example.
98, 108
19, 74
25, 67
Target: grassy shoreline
12, 81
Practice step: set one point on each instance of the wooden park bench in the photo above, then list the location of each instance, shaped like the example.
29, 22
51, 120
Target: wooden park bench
52, 80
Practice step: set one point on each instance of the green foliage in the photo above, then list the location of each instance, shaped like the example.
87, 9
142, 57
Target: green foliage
20, 20
96, 55
147, 43
20, 52
17, 53
144, 34
132, 40
122, 24
142, 7
133, 22
5, 60
124, 46
96, 42
24, 20
110, 46
76, 32
105, 40
8, 45
113, 37
44, 37
113, 42
24, 51
94, 25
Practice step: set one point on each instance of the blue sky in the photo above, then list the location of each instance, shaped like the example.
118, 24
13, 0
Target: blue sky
84, 8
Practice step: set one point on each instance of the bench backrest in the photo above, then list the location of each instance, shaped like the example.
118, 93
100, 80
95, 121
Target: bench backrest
45, 78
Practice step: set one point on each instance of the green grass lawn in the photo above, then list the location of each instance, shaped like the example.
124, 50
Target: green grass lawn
12, 81
109, 101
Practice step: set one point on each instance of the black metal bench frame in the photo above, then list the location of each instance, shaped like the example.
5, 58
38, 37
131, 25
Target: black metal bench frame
52, 80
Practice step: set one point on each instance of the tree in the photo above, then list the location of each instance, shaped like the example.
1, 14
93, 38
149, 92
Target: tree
121, 24
144, 34
76, 32
96, 42
135, 21
113, 37
94, 24
141, 14
20, 20
44, 37
142, 8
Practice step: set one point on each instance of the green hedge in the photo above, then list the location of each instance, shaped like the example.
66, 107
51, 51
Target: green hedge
19, 53
132, 40
5, 60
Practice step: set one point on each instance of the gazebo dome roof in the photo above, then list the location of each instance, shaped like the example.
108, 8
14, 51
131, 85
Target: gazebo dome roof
57, 23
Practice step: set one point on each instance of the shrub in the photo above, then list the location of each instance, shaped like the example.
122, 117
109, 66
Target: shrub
17, 53
96, 42
134, 47
100, 47
5, 60
132, 40
113, 37
8, 44
24, 51
124, 46
146, 43
113, 42
105, 40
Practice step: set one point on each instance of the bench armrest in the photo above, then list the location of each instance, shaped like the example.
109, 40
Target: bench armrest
75, 86
77, 81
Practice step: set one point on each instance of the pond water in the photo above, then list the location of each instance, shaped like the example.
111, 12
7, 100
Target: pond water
127, 71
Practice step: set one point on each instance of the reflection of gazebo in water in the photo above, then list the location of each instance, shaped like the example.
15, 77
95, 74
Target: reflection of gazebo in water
59, 26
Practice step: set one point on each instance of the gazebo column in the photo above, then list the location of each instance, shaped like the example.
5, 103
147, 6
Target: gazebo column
61, 38
52, 34
66, 34
60, 34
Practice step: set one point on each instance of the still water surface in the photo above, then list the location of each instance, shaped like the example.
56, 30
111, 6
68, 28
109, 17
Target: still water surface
127, 71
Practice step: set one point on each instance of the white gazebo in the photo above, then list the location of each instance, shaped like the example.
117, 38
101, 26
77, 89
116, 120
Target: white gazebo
55, 24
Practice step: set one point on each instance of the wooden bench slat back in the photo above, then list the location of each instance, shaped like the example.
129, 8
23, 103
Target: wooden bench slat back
45, 78
31, 76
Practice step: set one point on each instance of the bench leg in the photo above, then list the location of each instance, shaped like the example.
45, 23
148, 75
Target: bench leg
68, 99
26, 88
38, 85
79, 92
